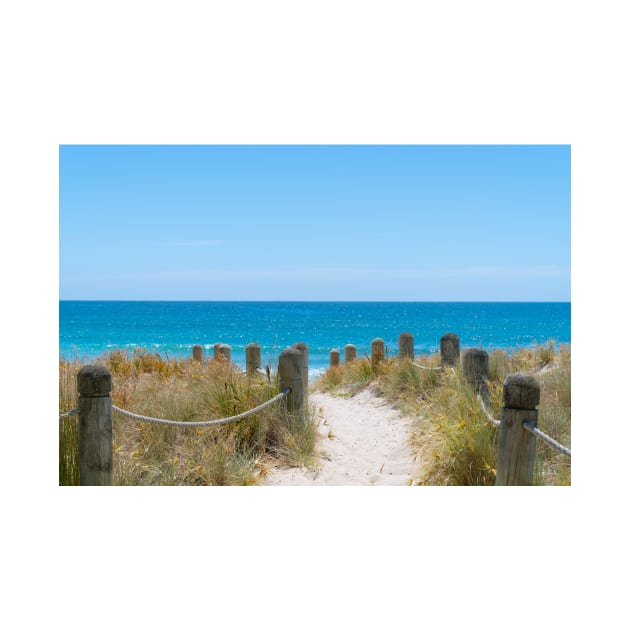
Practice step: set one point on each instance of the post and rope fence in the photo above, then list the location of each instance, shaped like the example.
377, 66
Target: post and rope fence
204, 423
518, 431
223, 352
517, 424
519, 416
449, 351
95, 407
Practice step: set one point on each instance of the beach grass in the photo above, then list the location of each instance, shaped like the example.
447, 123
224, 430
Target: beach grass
452, 437
68, 426
144, 453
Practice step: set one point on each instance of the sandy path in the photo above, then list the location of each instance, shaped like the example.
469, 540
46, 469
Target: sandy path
362, 441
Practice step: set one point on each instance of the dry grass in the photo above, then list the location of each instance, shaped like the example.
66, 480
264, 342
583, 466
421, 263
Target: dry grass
68, 427
238, 453
452, 436
346, 377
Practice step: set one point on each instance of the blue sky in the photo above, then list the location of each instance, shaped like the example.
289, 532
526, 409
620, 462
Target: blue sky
318, 222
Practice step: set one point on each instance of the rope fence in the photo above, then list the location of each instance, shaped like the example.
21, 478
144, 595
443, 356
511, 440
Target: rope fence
492, 420
528, 427
517, 425
424, 367
545, 438
204, 423
95, 409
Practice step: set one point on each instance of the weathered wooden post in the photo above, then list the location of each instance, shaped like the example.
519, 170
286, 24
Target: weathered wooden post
303, 348
335, 358
197, 352
252, 359
349, 352
224, 352
449, 350
405, 346
476, 368
215, 350
378, 353
94, 384
290, 375
517, 447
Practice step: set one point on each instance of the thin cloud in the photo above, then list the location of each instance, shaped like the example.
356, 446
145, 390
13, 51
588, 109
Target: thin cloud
338, 273
206, 243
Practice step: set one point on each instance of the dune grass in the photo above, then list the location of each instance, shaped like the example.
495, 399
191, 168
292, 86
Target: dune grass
454, 442
68, 426
238, 453
452, 437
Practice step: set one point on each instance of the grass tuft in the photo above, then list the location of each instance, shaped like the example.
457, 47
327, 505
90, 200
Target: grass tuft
237, 453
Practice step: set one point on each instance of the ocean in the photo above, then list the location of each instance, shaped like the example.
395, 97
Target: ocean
87, 329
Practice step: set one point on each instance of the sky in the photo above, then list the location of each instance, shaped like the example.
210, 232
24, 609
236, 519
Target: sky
315, 222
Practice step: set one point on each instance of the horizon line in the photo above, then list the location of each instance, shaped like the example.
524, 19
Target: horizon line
320, 301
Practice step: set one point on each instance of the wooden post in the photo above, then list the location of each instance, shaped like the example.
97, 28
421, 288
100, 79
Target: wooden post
290, 364
94, 384
215, 350
378, 353
349, 352
449, 350
335, 357
405, 346
197, 352
223, 352
303, 348
476, 369
252, 359
517, 446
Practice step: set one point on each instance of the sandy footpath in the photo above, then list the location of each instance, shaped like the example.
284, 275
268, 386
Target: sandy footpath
362, 440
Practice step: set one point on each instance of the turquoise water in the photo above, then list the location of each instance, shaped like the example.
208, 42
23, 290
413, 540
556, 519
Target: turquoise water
88, 329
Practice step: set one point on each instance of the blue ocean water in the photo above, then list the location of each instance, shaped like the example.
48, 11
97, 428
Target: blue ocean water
88, 329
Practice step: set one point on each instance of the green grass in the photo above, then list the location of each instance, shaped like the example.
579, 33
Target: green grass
237, 453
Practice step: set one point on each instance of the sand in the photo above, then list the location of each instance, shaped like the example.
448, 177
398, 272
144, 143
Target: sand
362, 440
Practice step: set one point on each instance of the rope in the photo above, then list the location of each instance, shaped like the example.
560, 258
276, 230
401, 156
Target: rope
67, 414
204, 423
490, 418
528, 427
424, 367
545, 438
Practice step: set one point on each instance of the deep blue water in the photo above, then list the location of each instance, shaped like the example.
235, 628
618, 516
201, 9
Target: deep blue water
88, 329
